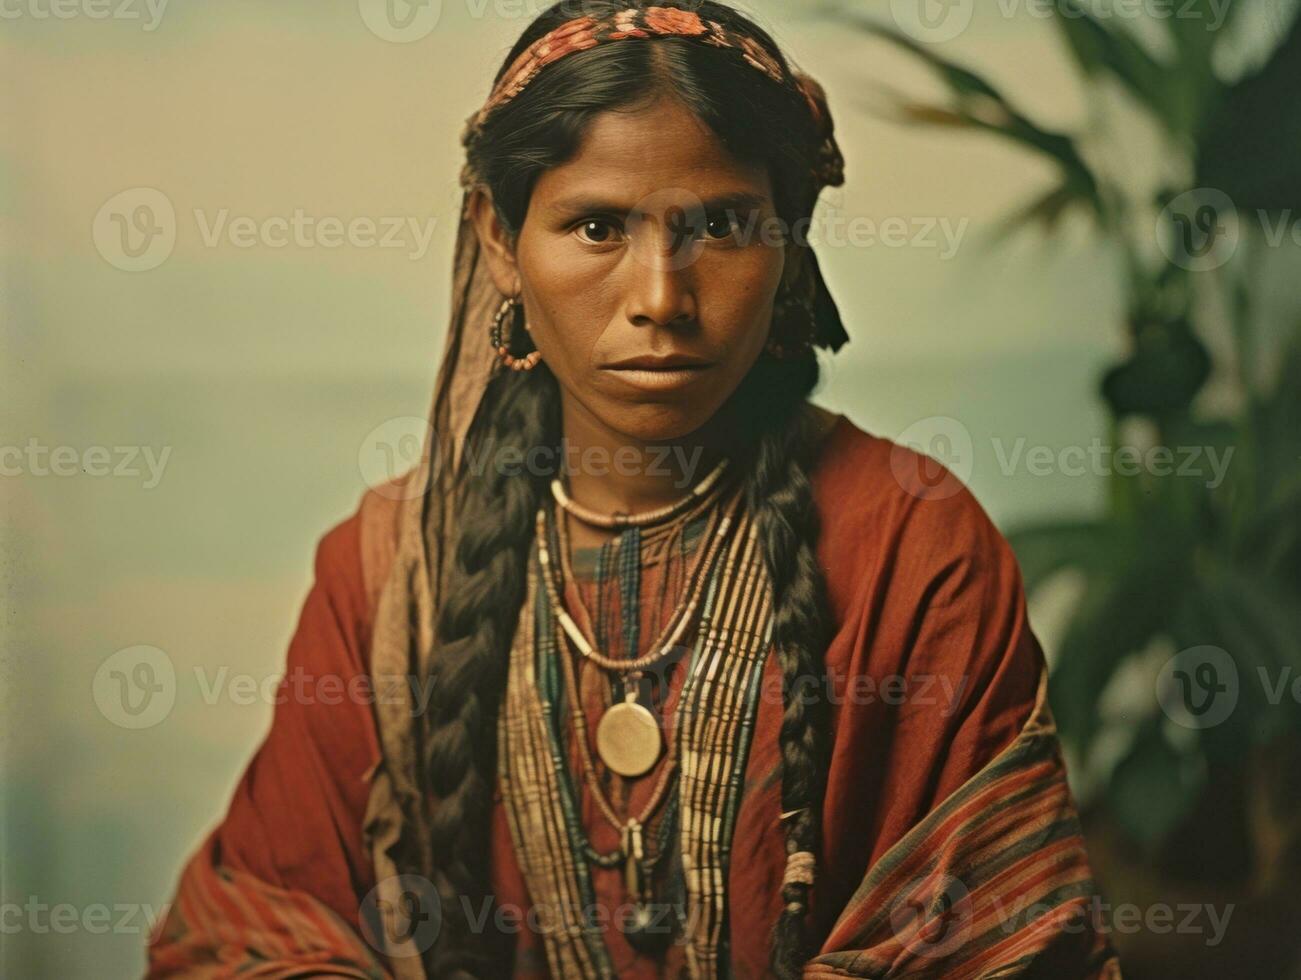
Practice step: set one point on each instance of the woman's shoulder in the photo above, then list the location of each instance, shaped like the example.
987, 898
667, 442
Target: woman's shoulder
880, 500
919, 579
866, 470
354, 555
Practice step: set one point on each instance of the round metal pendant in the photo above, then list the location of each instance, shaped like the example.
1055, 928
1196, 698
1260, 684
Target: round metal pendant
628, 739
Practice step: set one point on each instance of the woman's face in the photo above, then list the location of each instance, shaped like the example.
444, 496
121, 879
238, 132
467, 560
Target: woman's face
651, 243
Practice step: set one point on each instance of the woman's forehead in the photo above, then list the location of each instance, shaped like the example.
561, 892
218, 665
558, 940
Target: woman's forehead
629, 156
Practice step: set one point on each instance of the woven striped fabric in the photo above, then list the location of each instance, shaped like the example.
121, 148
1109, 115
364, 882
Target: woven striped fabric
712, 728
531, 777
715, 721
226, 923
994, 882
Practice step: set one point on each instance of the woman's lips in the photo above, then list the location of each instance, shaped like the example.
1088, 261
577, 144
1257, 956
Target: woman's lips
660, 379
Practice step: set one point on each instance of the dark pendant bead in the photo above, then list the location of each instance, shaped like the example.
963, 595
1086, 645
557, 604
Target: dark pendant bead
648, 928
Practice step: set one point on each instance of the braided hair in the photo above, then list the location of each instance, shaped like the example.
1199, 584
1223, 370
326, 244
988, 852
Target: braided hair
758, 120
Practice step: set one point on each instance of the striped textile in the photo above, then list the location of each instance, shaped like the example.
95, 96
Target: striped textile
994, 882
715, 719
531, 786
228, 923
712, 727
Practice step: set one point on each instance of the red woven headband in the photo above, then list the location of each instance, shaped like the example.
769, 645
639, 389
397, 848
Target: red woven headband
586, 32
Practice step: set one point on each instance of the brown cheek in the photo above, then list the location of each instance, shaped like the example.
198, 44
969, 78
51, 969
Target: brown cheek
561, 296
748, 290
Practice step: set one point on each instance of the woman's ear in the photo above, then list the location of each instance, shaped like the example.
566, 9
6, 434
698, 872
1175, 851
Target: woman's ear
498, 245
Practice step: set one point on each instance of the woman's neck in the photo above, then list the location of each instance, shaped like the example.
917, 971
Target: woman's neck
609, 472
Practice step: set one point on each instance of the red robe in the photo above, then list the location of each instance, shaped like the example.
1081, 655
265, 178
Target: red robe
944, 768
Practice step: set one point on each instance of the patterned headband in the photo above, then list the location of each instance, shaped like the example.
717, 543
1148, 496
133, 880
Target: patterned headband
586, 32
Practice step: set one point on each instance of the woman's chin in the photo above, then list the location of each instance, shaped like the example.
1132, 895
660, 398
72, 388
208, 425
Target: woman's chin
653, 422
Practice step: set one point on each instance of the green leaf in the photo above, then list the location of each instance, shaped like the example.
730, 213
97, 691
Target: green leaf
979, 105
1100, 50
1250, 147
1196, 34
962, 80
1274, 532
1265, 623
1154, 788
1047, 210
1163, 375
1120, 613
1043, 550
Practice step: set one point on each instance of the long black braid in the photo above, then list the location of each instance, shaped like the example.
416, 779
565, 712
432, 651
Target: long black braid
494, 525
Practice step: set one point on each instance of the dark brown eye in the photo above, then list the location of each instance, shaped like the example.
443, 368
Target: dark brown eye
720, 226
597, 231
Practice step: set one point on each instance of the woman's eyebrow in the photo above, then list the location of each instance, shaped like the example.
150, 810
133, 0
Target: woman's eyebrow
595, 204
735, 201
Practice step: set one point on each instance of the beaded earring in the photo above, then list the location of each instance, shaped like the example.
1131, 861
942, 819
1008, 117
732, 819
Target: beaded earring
525, 362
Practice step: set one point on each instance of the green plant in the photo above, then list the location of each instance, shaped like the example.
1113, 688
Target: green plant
1172, 563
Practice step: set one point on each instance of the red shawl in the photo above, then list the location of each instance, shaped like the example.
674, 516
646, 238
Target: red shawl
950, 843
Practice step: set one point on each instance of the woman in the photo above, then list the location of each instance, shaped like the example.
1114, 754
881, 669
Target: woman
665, 671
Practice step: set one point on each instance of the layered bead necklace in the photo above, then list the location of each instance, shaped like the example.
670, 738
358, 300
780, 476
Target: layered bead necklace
628, 735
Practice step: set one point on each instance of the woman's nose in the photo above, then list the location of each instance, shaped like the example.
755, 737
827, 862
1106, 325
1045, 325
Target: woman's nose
661, 278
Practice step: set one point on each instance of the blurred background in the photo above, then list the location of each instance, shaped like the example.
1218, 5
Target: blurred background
1068, 253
